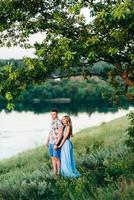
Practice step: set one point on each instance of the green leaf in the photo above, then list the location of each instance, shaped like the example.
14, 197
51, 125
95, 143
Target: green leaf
10, 106
8, 96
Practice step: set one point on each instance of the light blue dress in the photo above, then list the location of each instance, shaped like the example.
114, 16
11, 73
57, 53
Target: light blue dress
68, 167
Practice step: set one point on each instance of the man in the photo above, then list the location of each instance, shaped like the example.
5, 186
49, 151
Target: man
54, 137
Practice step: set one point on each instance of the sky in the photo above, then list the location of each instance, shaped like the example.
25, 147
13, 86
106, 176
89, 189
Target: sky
18, 52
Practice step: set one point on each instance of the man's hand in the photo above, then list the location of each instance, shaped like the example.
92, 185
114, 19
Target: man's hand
55, 146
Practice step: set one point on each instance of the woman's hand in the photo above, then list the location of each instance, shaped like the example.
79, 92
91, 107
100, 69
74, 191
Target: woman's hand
59, 146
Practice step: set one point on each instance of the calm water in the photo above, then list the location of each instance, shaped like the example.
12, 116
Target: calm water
20, 131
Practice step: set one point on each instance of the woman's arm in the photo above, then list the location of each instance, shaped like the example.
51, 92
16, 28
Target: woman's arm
66, 134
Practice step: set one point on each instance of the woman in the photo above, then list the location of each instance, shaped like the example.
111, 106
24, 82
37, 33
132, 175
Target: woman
68, 167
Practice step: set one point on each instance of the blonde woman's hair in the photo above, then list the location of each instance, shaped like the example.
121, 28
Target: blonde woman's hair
69, 123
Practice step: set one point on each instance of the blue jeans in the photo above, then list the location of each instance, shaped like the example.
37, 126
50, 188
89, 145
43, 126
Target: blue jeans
53, 152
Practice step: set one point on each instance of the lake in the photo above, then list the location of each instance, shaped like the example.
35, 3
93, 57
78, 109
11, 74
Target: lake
20, 131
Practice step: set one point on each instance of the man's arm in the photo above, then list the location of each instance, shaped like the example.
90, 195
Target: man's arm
47, 142
59, 136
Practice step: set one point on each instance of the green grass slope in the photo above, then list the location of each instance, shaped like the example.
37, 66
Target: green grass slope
105, 163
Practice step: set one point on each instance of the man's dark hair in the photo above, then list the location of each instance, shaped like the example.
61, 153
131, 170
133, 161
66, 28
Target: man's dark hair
54, 110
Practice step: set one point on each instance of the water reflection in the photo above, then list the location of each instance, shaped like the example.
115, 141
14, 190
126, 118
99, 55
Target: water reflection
70, 108
73, 108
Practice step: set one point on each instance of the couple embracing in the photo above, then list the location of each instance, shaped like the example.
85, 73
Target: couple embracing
60, 147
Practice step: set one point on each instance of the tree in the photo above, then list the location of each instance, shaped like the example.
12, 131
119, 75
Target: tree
70, 44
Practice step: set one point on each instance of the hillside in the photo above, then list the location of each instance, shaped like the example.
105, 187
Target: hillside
105, 163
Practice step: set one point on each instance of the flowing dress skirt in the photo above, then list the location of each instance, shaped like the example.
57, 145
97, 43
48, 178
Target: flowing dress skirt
68, 167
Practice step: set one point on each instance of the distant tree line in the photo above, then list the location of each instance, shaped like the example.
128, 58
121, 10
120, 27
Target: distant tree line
78, 91
95, 89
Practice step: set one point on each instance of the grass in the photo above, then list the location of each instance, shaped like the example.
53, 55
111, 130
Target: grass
104, 161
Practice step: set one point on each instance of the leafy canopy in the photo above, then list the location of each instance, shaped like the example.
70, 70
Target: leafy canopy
70, 45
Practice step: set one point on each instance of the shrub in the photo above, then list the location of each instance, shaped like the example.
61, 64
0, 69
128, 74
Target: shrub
130, 131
